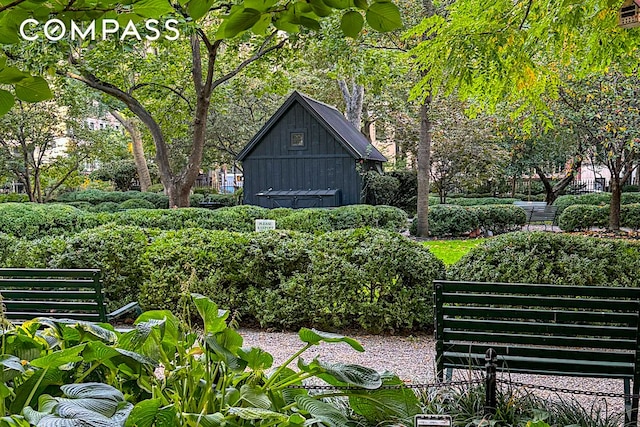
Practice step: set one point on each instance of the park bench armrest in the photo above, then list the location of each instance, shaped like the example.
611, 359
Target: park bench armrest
132, 310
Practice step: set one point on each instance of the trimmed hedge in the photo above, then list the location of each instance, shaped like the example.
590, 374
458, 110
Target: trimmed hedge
14, 197
480, 201
583, 217
453, 220
539, 257
371, 279
136, 204
596, 199
96, 197
35, 220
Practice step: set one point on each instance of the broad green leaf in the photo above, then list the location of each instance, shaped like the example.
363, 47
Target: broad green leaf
231, 360
256, 358
313, 336
59, 358
285, 24
33, 89
94, 390
320, 8
349, 374
326, 413
257, 414
152, 8
199, 8
214, 319
240, 21
11, 75
261, 5
351, 23
309, 23
361, 4
400, 403
208, 420
6, 101
254, 396
384, 17
149, 413
338, 4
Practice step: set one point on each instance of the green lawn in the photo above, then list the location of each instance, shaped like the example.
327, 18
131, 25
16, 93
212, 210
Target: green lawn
450, 251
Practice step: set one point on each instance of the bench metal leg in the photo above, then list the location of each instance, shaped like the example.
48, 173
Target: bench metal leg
627, 400
633, 422
449, 374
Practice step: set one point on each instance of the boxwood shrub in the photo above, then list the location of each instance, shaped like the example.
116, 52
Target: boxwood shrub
539, 257
583, 217
14, 197
371, 279
630, 216
479, 201
34, 220
136, 204
596, 199
500, 219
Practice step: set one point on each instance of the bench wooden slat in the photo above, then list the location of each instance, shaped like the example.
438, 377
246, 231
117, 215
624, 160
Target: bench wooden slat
50, 305
568, 354
498, 313
536, 339
547, 366
28, 315
26, 294
46, 283
551, 302
49, 272
539, 327
542, 289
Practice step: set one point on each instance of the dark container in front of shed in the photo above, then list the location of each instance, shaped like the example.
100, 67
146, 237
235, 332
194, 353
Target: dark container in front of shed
307, 155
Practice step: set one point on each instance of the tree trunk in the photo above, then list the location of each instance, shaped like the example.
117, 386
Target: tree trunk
614, 207
551, 192
424, 169
138, 150
353, 100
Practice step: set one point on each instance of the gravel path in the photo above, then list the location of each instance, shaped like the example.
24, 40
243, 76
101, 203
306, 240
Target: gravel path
413, 359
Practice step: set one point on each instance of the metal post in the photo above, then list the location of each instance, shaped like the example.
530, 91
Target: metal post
490, 382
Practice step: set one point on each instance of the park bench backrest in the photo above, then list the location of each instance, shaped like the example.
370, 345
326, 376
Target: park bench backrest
540, 329
57, 293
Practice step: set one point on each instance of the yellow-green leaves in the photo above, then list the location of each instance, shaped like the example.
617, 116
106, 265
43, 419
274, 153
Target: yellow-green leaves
351, 23
384, 17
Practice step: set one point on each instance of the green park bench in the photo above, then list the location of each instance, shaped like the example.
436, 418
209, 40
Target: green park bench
582, 331
539, 213
56, 293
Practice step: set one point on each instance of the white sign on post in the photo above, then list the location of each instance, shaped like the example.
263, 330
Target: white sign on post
432, 420
265, 224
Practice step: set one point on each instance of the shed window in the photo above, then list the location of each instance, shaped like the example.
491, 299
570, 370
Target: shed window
297, 139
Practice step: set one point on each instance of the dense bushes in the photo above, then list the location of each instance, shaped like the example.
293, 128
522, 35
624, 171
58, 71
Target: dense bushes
596, 199
583, 217
372, 279
479, 201
453, 220
33, 219
538, 257
30, 219
96, 197
14, 197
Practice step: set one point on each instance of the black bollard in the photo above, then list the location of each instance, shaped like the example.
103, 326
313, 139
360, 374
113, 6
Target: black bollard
490, 382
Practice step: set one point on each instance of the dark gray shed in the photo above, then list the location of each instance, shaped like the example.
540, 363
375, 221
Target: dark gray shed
307, 155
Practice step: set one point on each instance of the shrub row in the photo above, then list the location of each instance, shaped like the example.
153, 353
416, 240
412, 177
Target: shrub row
34, 220
595, 199
480, 201
539, 257
96, 197
371, 279
14, 197
583, 217
454, 220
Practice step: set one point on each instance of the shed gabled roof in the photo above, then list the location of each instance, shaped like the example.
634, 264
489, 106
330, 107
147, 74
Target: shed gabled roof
332, 119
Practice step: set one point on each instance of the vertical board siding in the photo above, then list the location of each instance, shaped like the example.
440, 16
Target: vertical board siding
323, 164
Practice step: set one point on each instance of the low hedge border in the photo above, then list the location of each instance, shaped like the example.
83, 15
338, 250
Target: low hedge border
584, 217
454, 220
369, 279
